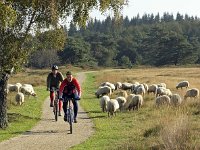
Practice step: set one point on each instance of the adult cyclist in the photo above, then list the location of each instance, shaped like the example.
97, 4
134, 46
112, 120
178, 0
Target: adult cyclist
54, 80
70, 88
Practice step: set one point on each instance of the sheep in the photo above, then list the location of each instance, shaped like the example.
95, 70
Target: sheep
128, 100
14, 87
121, 100
182, 84
140, 90
122, 93
19, 98
103, 102
112, 107
134, 87
27, 89
162, 85
104, 90
118, 85
152, 88
136, 102
194, 92
160, 100
163, 91
160, 91
126, 86
176, 99
146, 87
112, 86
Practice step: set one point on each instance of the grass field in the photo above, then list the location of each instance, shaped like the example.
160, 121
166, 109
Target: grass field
148, 128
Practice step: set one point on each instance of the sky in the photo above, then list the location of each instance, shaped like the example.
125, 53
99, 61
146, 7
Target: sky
190, 7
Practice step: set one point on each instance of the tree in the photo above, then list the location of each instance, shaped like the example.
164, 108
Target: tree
18, 17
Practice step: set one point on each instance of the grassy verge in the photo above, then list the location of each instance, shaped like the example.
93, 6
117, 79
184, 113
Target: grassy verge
148, 128
23, 118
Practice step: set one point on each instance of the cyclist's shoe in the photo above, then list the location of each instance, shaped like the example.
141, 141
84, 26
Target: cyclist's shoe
75, 120
59, 113
65, 118
51, 104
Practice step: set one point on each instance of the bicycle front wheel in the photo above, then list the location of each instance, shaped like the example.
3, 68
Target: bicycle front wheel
70, 120
56, 111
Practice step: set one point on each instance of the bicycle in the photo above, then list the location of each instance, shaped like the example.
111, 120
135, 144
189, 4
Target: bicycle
70, 112
56, 99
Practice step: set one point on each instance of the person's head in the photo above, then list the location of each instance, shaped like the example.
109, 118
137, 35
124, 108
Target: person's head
69, 76
54, 69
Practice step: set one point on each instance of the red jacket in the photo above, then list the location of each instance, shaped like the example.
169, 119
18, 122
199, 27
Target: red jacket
66, 82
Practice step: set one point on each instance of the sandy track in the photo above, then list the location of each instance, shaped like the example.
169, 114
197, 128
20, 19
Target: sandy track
49, 134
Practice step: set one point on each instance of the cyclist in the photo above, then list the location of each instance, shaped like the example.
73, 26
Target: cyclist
54, 79
70, 88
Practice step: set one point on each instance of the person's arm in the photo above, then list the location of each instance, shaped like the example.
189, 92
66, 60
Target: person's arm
61, 78
62, 87
77, 85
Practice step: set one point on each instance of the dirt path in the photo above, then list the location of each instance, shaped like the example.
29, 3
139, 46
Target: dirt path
51, 135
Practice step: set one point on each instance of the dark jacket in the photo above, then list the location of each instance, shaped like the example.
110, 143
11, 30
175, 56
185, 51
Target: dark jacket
54, 81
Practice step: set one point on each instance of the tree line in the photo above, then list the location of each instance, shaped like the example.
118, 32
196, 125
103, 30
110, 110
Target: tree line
146, 40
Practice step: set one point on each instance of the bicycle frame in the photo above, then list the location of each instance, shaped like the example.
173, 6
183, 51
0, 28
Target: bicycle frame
55, 107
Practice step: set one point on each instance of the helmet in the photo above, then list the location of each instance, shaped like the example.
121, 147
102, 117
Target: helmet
54, 67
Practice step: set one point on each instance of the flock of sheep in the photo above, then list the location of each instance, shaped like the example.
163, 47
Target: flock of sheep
25, 89
135, 99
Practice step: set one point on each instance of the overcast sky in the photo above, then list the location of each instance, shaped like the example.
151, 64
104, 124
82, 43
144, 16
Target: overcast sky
190, 7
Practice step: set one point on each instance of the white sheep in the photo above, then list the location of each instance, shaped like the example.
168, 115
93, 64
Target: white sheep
128, 101
194, 92
162, 85
112, 107
118, 85
103, 102
27, 89
182, 84
136, 102
140, 90
152, 88
126, 86
104, 90
121, 100
161, 100
176, 100
163, 91
19, 98
112, 86
14, 87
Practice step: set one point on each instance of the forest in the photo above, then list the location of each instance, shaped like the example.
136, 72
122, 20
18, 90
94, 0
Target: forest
142, 40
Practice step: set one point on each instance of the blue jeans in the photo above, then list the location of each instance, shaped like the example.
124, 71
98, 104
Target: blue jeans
75, 104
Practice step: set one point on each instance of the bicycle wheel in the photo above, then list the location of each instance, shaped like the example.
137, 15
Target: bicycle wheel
70, 120
56, 111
